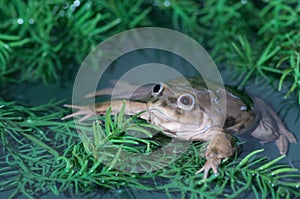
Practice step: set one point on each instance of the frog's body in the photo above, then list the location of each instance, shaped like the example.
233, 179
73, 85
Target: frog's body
188, 110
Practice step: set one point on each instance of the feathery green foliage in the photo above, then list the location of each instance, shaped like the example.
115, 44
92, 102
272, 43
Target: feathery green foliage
256, 38
44, 155
54, 36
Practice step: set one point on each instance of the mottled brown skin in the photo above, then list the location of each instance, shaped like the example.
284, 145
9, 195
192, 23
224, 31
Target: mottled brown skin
188, 110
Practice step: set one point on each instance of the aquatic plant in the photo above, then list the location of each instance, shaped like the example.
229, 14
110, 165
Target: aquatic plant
41, 154
255, 38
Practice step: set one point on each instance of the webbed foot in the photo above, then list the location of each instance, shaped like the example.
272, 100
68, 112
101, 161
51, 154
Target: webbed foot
85, 111
271, 128
221, 145
210, 164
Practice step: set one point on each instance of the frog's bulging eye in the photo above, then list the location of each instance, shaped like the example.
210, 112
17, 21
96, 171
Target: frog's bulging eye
157, 89
186, 101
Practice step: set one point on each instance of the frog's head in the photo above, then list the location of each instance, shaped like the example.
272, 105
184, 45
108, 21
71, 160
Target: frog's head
177, 111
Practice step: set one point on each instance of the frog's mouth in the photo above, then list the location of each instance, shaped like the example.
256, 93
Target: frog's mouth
161, 119
176, 128
156, 113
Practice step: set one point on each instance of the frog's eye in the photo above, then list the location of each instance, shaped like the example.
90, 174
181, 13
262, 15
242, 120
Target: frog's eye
157, 89
186, 101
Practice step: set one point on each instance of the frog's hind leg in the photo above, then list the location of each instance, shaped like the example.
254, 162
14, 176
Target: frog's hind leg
271, 128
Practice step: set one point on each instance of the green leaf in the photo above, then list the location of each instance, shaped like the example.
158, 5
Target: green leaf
267, 165
246, 159
42, 144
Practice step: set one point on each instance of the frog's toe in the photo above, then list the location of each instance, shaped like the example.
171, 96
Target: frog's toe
282, 142
209, 164
86, 111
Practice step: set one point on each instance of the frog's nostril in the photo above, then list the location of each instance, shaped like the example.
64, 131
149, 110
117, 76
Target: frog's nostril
157, 89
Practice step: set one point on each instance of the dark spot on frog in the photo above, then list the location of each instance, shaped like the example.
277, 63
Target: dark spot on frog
178, 111
155, 100
213, 152
241, 127
164, 104
172, 100
229, 121
201, 108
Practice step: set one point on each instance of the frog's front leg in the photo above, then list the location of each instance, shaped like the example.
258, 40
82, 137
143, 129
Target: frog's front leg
220, 146
131, 108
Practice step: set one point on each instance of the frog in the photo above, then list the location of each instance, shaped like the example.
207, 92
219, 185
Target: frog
186, 109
